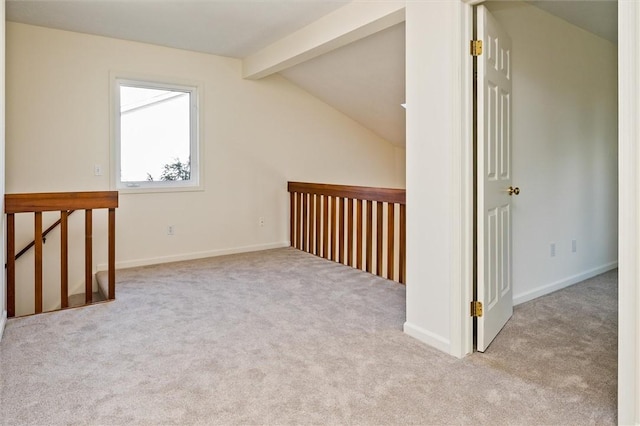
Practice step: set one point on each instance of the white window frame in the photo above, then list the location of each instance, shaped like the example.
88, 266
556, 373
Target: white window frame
195, 89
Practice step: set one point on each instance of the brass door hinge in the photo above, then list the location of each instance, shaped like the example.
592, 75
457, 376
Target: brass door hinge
476, 309
476, 47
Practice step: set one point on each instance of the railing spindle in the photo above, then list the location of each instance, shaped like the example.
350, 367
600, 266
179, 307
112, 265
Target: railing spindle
11, 265
292, 218
350, 232
325, 227
318, 224
359, 234
369, 234
334, 226
299, 239
391, 240
305, 223
64, 259
112, 254
379, 238
403, 242
38, 261
341, 230
312, 212
88, 255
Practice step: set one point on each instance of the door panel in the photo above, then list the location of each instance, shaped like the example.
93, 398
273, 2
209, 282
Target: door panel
495, 289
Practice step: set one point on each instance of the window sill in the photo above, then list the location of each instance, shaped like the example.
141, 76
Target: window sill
160, 189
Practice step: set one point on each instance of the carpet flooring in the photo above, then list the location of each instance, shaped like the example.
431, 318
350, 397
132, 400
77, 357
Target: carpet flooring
283, 337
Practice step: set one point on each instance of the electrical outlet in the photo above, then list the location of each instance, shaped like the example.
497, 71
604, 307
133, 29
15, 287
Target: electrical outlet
552, 249
261, 221
574, 246
97, 170
171, 230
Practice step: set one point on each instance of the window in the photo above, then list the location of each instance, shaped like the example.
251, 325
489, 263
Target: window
155, 135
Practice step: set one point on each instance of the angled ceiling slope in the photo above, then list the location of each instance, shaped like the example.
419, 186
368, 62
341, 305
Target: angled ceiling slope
365, 80
599, 17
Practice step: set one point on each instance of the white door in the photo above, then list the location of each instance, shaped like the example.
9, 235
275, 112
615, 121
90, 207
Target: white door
495, 290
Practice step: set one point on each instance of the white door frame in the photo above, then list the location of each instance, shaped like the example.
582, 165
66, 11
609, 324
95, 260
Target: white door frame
628, 212
629, 208
462, 205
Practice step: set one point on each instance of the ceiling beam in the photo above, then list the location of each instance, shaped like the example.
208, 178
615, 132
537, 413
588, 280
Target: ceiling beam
352, 22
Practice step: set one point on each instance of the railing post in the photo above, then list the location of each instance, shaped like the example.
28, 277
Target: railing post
88, 256
11, 265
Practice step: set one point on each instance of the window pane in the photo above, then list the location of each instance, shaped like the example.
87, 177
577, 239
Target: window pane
154, 134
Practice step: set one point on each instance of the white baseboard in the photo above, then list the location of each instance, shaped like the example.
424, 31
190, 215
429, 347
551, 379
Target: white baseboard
427, 337
3, 322
193, 256
559, 285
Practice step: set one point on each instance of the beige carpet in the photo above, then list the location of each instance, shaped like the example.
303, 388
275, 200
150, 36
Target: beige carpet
283, 337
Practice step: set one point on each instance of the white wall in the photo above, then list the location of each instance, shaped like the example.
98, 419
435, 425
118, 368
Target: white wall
564, 150
257, 136
3, 287
434, 123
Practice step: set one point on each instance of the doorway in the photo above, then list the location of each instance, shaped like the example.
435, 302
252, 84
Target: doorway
564, 151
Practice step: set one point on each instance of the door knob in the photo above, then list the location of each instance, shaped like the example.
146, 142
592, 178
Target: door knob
513, 190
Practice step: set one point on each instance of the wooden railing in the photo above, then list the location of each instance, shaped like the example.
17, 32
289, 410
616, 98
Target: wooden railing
358, 226
64, 202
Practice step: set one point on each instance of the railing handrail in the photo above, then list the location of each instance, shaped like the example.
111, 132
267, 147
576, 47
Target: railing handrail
385, 195
44, 237
58, 201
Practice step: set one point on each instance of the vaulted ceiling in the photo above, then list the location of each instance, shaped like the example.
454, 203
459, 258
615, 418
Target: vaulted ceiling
364, 80
233, 28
